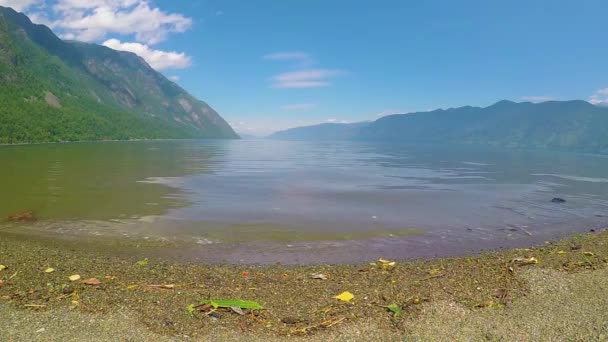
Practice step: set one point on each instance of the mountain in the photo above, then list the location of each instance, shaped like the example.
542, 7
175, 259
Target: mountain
246, 136
55, 90
326, 131
559, 125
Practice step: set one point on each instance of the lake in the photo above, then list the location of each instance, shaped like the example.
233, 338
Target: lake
266, 201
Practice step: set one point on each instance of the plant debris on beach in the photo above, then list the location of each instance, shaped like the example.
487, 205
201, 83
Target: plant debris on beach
174, 299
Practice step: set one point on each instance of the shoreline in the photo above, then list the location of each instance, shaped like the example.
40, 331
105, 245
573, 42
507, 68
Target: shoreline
435, 292
307, 250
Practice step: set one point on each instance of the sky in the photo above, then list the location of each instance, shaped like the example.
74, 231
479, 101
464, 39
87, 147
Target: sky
267, 65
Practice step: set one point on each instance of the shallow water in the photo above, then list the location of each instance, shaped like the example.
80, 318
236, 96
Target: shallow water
268, 201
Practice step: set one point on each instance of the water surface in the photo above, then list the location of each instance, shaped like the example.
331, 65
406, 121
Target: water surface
268, 201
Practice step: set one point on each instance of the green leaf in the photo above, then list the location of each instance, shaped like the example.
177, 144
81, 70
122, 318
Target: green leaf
395, 309
190, 309
142, 262
228, 303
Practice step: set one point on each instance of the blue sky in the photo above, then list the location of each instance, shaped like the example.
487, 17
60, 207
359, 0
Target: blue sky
271, 64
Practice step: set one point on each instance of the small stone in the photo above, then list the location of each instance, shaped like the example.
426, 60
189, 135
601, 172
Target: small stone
291, 320
237, 310
22, 217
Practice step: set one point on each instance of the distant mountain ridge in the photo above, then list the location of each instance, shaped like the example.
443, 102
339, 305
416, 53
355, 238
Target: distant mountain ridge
325, 131
561, 125
55, 90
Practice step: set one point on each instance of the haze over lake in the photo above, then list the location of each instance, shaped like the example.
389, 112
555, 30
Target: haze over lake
304, 201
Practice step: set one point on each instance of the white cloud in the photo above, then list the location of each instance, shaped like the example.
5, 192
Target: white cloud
310, 78
337, 121
536, 99
600, 97
298, 106
94, 20
18, 5
297, 56
158, 59
174, 78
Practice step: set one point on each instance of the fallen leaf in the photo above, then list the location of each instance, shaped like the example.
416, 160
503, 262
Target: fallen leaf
164, 286
49, 270
386, 264
190, 309
588, 254
525, 261
228, 303
395, 309
132, 287
320, 276
109, 277
486, 304
142, 262
345, 296
74, 277
434, 271
2, 267
245, 274
561, 252
92, 282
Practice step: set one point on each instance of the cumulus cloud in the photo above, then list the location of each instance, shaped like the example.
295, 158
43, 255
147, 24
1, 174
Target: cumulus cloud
95, 20
158, 59
90, 20
18, 5
537, 99
298, 106
310, 78
600, 97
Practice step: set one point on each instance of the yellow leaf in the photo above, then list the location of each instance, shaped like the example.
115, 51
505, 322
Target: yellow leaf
345, 296
49, 270
526, 261
132, 287
434, 271
74, 277
588, 254
561, 252
386, 264
2, 267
